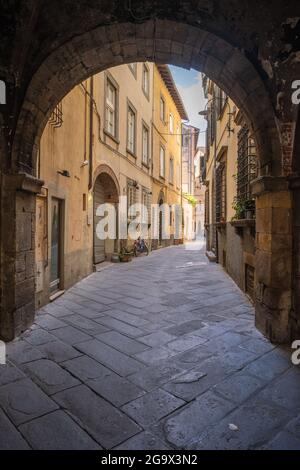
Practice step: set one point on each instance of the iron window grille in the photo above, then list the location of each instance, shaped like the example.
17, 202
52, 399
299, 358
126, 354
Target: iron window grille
247, 165
146, 207
56, 118
206, 207
221, 192
132, 198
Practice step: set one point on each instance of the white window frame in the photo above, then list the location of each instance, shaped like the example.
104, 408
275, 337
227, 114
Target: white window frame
146, 83
111, 108
131, 129
162, 161
145, 216
133, 68
145, 155
131, 198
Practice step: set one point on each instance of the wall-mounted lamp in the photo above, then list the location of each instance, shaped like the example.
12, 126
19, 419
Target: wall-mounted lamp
64, 173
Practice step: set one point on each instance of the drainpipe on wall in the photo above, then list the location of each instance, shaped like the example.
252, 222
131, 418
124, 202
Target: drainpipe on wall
91, 133
181, 174
215, 190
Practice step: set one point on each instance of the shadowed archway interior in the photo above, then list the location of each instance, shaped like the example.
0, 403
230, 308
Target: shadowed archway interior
157, 41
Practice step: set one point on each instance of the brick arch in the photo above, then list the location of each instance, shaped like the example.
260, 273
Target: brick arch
161, 41
104, 169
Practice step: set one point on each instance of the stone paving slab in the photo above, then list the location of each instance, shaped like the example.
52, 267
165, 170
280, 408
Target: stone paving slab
49, 376
9, 373
158, 338
115, 389
85, 368
144, 440
108, 426
57, 431
160, 353
152, 407
122, 342
48, 321
71, 335
257, 423
10, 438
122, 327
21, 352
85, 324
23, 401
110, 357
58, 351
181, 427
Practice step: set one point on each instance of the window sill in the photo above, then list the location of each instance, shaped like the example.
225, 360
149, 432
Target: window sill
221, 225
147, 96
243, 223
132, 154
240, 225
146, 165
112, 137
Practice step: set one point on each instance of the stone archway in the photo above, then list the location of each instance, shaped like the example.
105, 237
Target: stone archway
105, 190
64, 50
179, 44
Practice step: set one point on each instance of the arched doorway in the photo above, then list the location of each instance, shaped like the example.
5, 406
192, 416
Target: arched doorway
105, 191
160, 219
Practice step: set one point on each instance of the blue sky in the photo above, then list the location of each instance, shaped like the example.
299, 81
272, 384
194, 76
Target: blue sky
189, 84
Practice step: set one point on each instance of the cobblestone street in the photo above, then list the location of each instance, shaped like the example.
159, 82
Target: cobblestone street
160, 353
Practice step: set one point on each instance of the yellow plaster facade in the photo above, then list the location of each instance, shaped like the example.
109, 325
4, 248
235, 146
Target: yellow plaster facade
102, 142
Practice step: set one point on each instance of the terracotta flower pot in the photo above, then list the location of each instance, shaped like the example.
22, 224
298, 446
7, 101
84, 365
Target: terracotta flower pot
125, 258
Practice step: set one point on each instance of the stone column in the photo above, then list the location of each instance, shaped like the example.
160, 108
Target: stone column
273, 258
295, 317
17, 253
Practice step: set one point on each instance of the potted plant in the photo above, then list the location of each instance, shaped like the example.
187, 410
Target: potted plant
244, 209
239, 208
249, 206
125, 254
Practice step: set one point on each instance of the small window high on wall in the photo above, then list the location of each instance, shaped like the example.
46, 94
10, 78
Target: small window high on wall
2, 92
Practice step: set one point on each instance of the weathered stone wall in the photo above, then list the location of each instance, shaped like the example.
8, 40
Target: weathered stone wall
274, 258
17, 254
239, 246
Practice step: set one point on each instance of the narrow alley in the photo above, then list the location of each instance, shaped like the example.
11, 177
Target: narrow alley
160, 353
